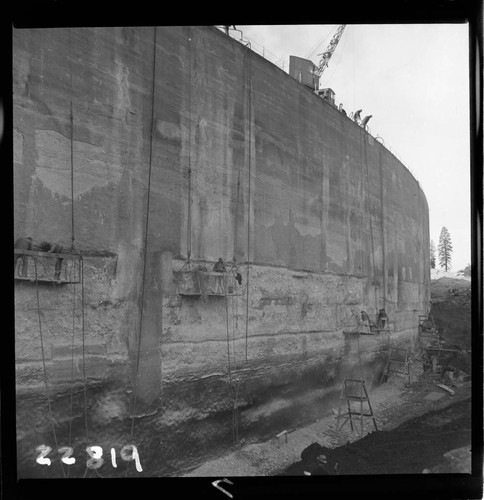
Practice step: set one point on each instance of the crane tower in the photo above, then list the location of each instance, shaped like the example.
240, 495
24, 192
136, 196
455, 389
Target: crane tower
309, 74
326, 55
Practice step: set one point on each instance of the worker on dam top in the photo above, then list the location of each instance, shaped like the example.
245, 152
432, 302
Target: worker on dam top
357, 116
22, 244
45, 246
365, 121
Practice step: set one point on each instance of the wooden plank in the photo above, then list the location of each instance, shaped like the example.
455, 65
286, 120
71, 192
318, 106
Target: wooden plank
45, 280
33, 253
448, 389
439, 349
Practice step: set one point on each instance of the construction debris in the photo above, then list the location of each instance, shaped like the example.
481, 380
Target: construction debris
282, 433
448, 389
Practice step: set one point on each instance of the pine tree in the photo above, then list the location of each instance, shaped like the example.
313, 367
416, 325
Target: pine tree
445, 249
432, 254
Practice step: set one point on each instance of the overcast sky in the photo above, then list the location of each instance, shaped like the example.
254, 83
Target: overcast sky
414, 80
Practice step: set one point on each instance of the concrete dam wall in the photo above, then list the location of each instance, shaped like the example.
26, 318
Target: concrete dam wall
183, 141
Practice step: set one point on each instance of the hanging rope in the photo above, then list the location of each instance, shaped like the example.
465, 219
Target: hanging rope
354, 72
189, 218
359, 356
249, 113
72, 147
236, 224
236, 244
235, 414
189, 214
145, 244
81, 270
371, 219
72, 357
43, 364
228, 338
234, 385
384, 284
83, 346
234, 327
72, 182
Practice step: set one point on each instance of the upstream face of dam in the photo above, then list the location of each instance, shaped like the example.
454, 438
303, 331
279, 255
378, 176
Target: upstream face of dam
145, 147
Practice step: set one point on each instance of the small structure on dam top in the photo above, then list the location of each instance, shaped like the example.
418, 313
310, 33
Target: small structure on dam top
161, 151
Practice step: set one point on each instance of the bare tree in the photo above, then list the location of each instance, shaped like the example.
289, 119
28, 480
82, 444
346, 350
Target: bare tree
445, 249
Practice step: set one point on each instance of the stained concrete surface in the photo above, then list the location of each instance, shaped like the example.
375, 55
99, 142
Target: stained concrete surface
316, 201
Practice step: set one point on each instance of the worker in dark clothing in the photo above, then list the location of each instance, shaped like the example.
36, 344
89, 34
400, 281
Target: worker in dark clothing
45, 246
219, 267
365, 321
22, 244
382, 319
365, 121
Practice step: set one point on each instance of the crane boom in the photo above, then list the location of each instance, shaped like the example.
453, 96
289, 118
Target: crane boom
326, 55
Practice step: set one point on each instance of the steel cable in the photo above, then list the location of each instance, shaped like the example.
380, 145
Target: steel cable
145, 245
189, 214
248, 200
72, 359
43, 364
84, 350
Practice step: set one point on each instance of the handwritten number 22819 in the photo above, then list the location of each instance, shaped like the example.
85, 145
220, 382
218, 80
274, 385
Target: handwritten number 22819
128, 453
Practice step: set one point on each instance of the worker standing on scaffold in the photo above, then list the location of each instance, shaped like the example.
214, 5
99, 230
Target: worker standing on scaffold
365, 320
219, 267
22, 244
382, 319
45, 246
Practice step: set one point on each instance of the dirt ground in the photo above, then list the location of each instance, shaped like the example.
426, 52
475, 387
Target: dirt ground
397, 411
421, 428
419, 444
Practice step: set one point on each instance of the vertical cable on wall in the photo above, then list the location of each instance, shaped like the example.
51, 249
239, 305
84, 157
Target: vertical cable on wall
43, 364
362, 207
249, 101
382, 206
72, 360
72, 243
371, 220
72, 146
228, 337
189, 214
145, 241
83, 347
81, 267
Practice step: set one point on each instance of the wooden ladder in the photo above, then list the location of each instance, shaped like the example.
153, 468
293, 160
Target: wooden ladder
354, 390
